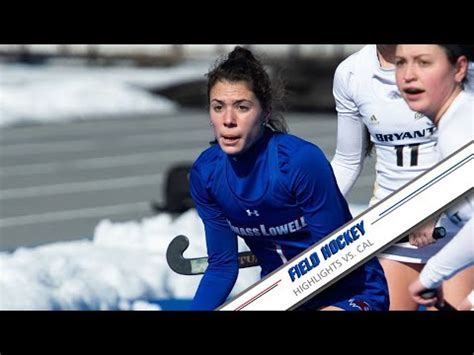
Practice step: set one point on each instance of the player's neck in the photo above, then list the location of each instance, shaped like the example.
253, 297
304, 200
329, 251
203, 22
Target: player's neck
439, 115
386, 55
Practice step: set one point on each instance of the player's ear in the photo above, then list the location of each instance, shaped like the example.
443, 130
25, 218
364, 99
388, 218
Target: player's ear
266, 116
461, 69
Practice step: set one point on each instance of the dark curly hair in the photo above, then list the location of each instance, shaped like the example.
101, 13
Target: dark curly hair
454, 51
242, 65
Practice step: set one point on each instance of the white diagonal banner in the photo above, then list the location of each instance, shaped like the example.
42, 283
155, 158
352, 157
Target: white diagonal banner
362, 238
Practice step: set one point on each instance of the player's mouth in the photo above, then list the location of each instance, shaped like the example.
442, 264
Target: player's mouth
413, 93
230, 139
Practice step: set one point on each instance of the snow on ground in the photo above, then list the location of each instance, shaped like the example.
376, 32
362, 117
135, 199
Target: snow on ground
51, 93
124, 267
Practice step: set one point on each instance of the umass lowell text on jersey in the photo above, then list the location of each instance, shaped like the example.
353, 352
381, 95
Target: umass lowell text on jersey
281, 197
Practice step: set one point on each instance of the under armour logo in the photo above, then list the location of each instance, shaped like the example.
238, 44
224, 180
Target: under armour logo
252, 213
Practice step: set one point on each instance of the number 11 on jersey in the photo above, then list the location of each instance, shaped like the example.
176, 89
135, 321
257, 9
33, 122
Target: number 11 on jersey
413, 154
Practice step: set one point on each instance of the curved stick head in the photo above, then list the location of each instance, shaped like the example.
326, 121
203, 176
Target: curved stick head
174, 255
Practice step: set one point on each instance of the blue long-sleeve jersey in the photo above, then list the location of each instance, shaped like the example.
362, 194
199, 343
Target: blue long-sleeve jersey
281, 196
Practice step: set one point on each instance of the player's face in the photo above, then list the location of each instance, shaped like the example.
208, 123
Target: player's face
427, 80
236, 115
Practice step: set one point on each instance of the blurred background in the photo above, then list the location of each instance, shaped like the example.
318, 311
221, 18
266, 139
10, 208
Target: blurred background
94, 140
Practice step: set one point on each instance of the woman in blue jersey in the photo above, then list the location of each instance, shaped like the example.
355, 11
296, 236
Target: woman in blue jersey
275, 190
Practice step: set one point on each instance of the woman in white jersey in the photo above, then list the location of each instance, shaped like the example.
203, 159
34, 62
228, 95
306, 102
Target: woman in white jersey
371, 111
430, 79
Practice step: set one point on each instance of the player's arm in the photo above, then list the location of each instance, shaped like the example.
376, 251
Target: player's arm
317, 193
457, 255
222, 249
352, 135
454, 257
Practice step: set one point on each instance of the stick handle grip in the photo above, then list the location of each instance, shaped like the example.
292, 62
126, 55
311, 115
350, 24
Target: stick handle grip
441, 305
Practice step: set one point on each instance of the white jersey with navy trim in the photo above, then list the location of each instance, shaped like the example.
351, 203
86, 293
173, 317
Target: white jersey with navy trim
368, 102
367, 99
455, 130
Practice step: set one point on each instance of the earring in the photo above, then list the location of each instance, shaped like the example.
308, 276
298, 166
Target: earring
264, 124
211, 124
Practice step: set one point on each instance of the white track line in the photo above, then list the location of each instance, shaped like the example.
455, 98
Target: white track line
67, 188
100, 163
104, 211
